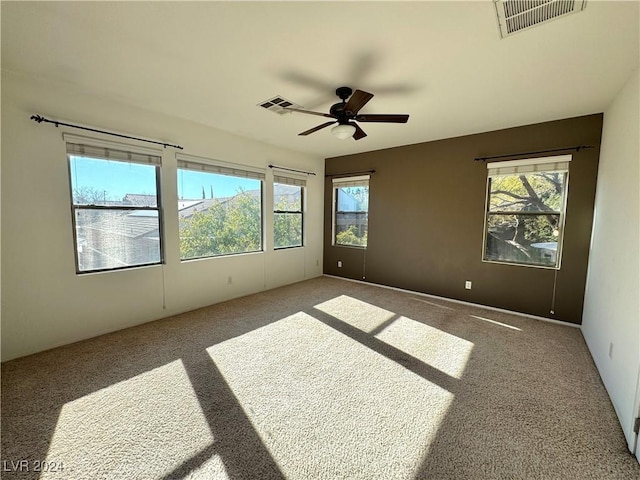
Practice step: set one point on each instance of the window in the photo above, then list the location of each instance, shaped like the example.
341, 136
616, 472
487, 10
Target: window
525, 211
219, 209
287, 212
116, 206
351, 211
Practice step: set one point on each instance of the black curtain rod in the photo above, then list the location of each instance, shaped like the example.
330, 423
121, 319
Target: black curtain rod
348, 173
291, 169
40, 119
576, 148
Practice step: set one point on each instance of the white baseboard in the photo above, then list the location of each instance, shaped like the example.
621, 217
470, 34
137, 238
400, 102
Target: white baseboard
462, 302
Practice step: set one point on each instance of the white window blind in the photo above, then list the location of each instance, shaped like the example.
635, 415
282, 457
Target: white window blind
202, 165
546, 164
289, 180
96, 148
361, 181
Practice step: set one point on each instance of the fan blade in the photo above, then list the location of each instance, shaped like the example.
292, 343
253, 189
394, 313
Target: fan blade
358, 100
315, 129
310, 112
359, 133
382, 118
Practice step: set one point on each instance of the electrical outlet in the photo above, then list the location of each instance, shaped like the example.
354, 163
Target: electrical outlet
467, 284
610, 349
339, 263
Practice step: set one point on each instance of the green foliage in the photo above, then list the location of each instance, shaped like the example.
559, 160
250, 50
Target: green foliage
534, 229
287, 230
287, 227
351, 236
531, 192
290, 202
232, 226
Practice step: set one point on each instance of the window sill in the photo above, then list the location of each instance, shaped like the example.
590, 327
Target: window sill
213, 257
119, 269
530, 265
357, 247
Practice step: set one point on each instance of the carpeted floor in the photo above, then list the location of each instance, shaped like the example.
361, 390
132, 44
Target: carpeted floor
324, 379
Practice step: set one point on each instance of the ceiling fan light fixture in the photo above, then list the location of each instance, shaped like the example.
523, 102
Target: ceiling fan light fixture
343, 131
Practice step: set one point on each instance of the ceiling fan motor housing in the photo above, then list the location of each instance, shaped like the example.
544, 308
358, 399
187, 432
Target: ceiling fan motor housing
337, 110
343, 93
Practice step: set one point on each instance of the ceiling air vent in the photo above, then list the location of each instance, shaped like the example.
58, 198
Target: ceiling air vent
278, 105
517, 15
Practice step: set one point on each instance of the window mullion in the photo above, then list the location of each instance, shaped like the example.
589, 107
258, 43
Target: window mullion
113, 207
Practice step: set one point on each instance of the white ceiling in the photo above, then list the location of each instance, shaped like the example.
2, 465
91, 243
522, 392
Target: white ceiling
441, 62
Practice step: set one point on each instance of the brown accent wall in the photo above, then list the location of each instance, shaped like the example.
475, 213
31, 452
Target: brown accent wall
426, 219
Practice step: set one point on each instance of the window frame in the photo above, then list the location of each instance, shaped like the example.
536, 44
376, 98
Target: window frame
234, 170
282, 180
341, 182
123, 148
557, 164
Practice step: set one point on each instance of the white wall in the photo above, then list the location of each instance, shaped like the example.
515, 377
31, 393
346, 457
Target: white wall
612, 307
44, 303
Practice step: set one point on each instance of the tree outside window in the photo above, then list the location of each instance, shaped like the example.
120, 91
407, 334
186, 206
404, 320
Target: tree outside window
525, 213
219, 213
287, 215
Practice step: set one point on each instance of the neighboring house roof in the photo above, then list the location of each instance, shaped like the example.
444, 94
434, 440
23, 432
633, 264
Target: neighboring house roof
141, 223
139, 199
182, 204
130, 225
186, 208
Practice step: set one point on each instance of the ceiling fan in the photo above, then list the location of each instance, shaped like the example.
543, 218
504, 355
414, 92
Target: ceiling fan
345, 114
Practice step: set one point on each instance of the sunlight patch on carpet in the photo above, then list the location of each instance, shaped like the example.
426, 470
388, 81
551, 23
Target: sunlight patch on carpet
441, 350
495, 322
431, 303
326, 406
359, 314
143, 427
